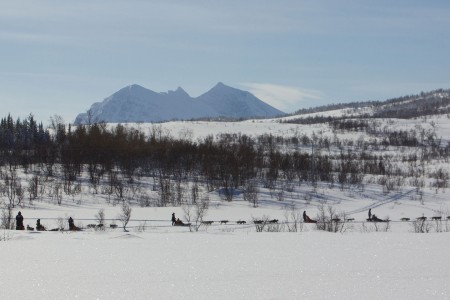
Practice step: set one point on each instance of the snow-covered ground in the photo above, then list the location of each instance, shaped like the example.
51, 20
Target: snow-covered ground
155, 260
200, 129
224, 265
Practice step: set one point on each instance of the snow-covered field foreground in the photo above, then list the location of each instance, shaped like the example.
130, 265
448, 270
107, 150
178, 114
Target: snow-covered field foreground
154, 260
177, 264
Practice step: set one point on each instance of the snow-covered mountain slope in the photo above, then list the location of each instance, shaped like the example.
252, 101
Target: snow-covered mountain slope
137, 104
235, 103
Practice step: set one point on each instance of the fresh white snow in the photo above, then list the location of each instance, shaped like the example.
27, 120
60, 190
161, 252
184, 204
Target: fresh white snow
224, 265
155, 260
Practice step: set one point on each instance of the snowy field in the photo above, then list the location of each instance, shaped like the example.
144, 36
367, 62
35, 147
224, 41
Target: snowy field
224, 265
155, 260
194, 130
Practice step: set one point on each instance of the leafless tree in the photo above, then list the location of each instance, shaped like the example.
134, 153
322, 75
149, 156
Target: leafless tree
57, 192
33, 187
293, 219
421, 225
195, 212
251, 194
10, 184
100, 217
194, 192
7, 218
61, 223
56, 121
329, 220
125, 215
145, 200
261, 223
20, 194
165, 191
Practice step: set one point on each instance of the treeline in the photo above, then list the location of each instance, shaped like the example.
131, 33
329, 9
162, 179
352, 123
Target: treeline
22, 140
113, 159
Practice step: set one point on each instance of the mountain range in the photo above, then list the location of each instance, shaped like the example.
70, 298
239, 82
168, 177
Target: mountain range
135, 103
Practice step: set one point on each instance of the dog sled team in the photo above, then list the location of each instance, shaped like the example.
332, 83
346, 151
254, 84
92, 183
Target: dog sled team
178, 222
374, 218
175, 222
39, 226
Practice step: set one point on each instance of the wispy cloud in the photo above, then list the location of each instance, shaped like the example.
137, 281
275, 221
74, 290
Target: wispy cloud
283, 97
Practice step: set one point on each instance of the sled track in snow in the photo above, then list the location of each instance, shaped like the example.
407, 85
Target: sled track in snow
384, 202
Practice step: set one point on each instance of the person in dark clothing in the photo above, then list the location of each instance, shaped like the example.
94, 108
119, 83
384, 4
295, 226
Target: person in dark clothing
370, 214
173, 219
178, 222
19, 222
72, 225
307, 219
39, 227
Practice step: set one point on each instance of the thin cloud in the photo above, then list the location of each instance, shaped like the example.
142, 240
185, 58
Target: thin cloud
285, 98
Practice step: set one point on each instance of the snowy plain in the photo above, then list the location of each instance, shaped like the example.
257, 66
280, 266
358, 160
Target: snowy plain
155, 260
244, 265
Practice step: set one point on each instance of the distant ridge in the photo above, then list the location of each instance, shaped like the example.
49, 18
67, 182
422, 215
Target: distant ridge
425, 104
135, 103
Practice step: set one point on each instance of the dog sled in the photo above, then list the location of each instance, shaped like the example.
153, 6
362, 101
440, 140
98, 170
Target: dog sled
178, 222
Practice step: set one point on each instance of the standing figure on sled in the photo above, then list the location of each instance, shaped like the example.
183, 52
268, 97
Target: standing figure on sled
19, 222
72, 225
174, 220
374, 218
307, 219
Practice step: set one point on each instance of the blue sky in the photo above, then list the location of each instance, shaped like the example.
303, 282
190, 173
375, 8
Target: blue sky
60, 56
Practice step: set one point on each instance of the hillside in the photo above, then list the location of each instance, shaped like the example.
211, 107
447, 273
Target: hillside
426, 103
